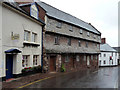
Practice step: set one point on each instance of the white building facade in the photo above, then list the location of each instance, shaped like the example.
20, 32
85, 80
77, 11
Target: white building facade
108, 56
21, 41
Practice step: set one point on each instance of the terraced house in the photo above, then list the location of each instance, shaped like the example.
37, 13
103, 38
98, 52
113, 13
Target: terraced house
69, 41
66, 39
21, 39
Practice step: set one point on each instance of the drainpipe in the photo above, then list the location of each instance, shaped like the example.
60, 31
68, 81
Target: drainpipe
42, 48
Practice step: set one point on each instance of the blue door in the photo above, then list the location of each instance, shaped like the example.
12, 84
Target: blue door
9, 66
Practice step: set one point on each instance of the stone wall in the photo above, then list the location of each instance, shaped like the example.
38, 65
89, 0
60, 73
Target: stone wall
51, 25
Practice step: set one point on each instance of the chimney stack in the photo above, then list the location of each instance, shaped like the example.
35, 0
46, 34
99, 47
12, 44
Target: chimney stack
103, 40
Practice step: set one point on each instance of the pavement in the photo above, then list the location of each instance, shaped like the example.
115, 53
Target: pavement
104, 78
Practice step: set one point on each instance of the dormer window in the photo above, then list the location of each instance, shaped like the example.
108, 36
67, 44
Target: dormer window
81, 31
71, 28
88, 34
34, 11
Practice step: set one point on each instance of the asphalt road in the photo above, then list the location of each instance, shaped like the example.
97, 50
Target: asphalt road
106, 77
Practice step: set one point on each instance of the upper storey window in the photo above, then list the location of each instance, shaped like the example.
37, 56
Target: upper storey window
88, 34
26, 36
71, 28
94, 36
59, 25
81, 31
34, 11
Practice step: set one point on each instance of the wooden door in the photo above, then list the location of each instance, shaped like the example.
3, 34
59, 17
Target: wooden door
52, 63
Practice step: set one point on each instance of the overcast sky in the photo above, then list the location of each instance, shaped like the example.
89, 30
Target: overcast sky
103, 14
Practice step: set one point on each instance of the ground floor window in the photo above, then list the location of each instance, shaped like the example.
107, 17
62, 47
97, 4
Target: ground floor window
25, 60
91, 57
84, 58
100, 62
96, 57
35, 59
77, 58
66, 58
104, 62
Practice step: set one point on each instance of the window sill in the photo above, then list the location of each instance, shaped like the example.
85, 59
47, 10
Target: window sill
31, 43
56, 44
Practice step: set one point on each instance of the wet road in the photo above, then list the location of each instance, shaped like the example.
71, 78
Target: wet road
106, 77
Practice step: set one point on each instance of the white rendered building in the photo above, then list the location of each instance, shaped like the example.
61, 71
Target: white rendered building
108, 56
20, 40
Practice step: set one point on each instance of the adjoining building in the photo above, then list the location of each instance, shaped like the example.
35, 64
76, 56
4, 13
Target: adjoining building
21, 39
69, 41
108, 56
118, 50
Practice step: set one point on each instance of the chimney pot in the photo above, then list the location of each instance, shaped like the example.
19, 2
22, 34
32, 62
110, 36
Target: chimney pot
103, 40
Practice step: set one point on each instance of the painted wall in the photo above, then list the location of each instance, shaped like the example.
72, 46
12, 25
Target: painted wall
16, 23
107, 59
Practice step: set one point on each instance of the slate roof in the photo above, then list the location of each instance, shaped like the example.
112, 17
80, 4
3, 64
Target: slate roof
107, 48
117, 49
60, 15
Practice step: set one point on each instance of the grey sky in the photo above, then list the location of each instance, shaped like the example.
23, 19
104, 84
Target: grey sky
103, 14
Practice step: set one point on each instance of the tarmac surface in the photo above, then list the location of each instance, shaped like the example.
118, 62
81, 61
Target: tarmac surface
105, 77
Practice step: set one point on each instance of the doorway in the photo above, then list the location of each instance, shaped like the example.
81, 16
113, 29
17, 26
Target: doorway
52, 63
9, 66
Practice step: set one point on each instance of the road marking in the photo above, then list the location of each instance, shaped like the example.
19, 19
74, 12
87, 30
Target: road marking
41, 80
44, 79
95, 71
35, 82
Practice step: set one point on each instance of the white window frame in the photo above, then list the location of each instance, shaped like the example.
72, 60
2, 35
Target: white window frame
34, 37
81, 31
35, 60
88, 34
26, 35
77, 58
71, 28
25, 58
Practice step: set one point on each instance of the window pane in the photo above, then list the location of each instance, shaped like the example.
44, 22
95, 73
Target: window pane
69, 41
81, 31
79, 43
70, 28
